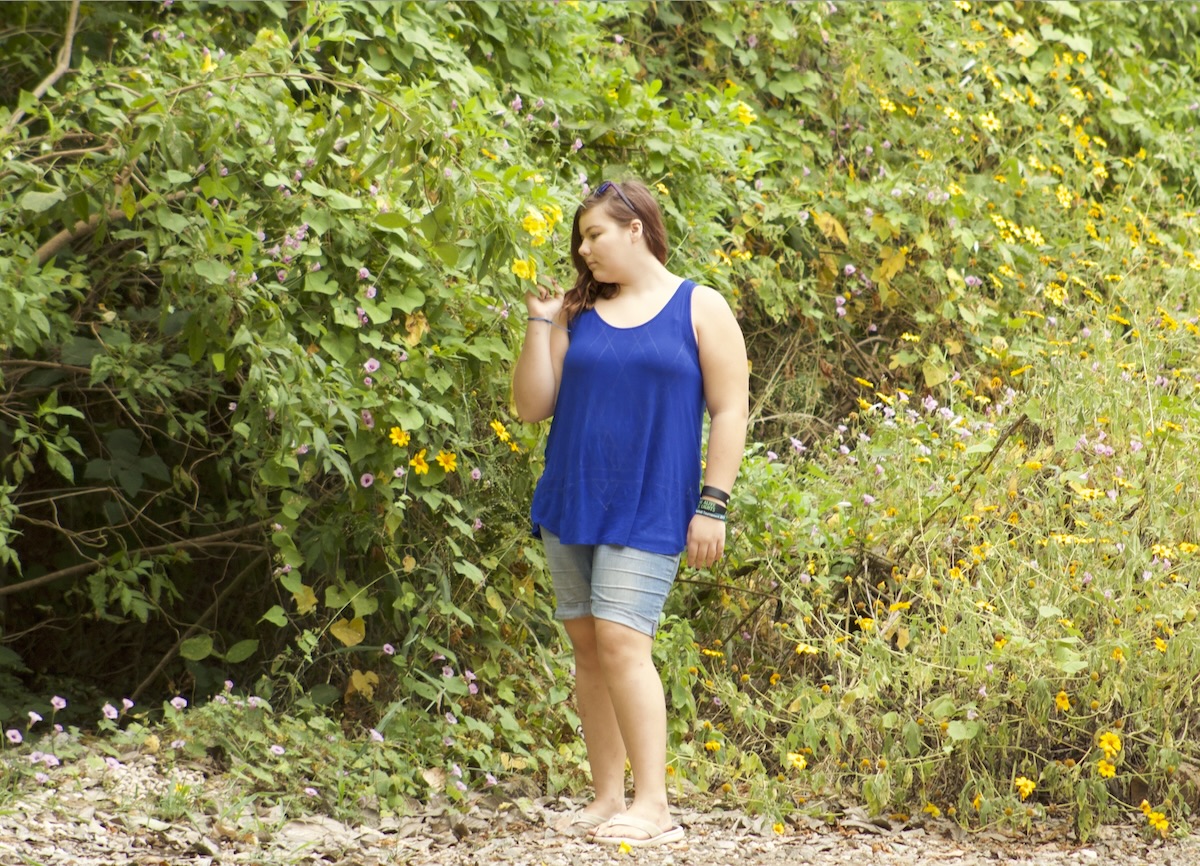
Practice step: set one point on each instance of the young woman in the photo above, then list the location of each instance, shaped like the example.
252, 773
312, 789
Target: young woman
626, 363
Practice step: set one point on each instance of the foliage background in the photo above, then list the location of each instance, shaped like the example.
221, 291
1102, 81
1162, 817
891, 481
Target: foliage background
258, 263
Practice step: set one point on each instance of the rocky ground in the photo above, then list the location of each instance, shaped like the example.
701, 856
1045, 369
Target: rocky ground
135, 813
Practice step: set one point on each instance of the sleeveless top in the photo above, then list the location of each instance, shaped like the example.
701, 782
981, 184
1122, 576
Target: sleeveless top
623, 454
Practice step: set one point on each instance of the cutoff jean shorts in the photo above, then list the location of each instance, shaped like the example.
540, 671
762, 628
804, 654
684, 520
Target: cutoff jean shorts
610, 582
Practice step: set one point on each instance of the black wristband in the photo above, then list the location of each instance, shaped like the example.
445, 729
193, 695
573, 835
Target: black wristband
708, 508
714, 493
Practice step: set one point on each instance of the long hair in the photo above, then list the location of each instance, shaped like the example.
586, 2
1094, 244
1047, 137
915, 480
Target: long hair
587, 290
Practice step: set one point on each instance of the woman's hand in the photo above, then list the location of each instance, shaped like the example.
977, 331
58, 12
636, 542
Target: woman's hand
705, 541
546, 301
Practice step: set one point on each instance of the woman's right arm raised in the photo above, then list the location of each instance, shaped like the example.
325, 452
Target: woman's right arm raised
539, 366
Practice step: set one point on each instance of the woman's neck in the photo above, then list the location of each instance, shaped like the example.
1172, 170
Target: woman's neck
647, 278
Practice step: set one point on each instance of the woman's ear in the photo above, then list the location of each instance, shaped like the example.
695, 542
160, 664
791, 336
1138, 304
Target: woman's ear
636, 228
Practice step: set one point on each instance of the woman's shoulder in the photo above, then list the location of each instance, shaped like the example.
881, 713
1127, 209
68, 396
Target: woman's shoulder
706, 298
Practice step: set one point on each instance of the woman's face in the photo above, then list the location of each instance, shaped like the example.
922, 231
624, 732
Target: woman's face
606, 245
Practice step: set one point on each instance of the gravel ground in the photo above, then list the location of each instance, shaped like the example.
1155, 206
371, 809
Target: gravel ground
105, 817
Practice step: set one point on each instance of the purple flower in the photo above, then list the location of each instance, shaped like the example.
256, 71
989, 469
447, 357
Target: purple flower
14, 736
364, 274
447, 671
491, 780
460, 784
478, 524
310, 792
367, 479
178, 702
516, 104
376, 736
58, 703
868, 499
368, 419
797, 445
110, 712
451, 719
388, 649
41, 778
476, 474
178, 744
372, 291
771, 455
577, 145
281, 275
34, 718
371, 366
113, 763
277, 750
233, 406
399, 472
850, 270
368, 381
126, 704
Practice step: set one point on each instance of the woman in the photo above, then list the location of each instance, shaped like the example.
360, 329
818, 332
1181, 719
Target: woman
626, 363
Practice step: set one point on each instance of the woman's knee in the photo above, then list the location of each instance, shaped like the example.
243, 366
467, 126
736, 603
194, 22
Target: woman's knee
582, 633
619, 647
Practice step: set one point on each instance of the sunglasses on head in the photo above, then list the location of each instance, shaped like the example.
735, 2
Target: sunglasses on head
606, 186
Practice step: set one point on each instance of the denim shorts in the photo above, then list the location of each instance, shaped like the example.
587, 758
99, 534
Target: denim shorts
613, 583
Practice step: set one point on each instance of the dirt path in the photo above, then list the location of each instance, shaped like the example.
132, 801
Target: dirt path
131, 814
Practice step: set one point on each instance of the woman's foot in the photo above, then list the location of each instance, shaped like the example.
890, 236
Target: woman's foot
627, 829
637, 825
585, 821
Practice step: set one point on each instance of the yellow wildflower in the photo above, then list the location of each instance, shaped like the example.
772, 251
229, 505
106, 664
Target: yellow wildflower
796, 761
418, 463
1062, 701
806, 650
534, 223
398, 437
933, 810
989, 122
1105, 769
1110, 743
745, 114
448, 460
778, 828
712, 746
526, 269
501, 433
1118, 655
1025, 787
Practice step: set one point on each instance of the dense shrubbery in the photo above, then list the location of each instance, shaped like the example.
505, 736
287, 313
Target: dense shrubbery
258, 262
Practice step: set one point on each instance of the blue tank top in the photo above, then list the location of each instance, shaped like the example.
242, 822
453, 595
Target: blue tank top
623, 454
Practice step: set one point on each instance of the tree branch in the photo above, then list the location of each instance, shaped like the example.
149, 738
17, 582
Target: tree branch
83, 228
60, 68
84, 567
212, 608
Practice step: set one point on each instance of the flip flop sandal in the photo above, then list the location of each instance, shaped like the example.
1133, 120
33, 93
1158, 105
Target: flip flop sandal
582, 824
655, 835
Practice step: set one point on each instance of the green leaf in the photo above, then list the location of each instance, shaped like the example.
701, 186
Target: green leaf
40, 201
275, 615
241, 651
196, 648
957, 730
213, 271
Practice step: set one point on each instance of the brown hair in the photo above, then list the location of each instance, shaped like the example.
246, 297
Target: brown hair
586, 290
